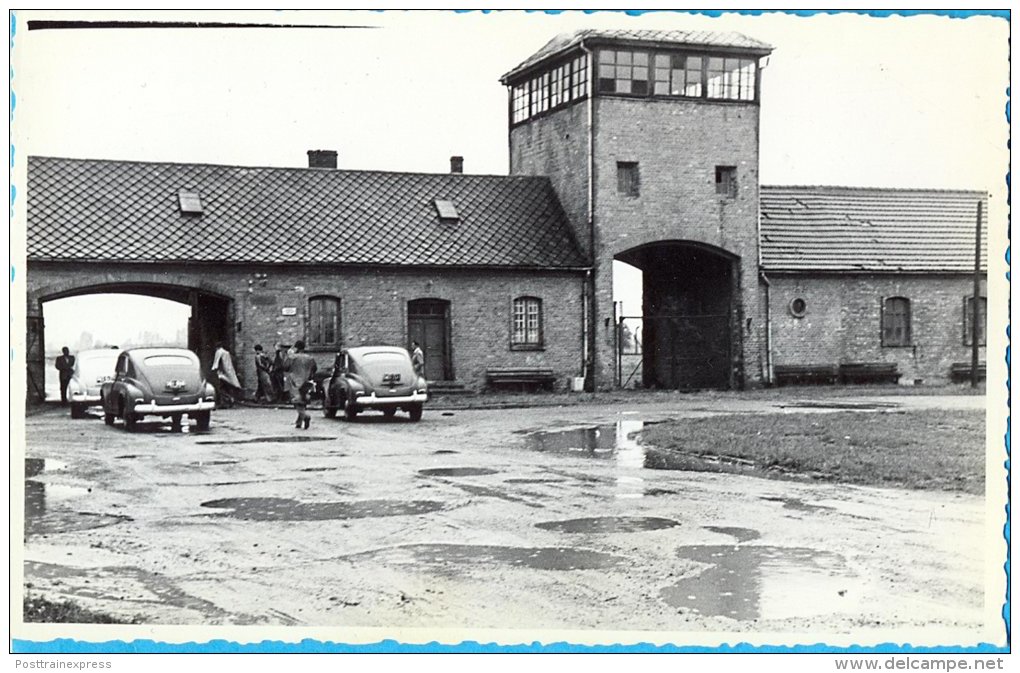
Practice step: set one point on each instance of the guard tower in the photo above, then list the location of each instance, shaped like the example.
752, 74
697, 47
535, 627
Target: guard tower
651, 141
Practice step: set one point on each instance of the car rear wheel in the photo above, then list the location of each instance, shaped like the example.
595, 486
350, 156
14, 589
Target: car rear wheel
108, 418
329, 412
77, 410
131, 421
415, 412
350, 411
201, 420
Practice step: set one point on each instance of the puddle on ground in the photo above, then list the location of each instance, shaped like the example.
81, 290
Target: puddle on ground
286, 509
447, 558
130, 456
608, 524
443, 452
797, 504
36, 466
285, 439
46, 513
457, 471
841, 406
203, 463
318, 469
602, 441
536, 480
741, 534
748, 582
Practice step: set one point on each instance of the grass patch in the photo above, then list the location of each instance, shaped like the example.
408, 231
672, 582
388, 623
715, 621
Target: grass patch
925, 449
40, 610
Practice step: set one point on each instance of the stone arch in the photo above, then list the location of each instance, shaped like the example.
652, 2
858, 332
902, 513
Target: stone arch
690, 317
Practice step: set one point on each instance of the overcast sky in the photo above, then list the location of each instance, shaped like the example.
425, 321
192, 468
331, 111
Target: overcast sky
846, 99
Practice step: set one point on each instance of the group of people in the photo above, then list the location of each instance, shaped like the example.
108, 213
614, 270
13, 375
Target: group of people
286, 377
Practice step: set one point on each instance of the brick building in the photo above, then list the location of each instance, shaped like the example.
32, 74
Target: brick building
638, 147
872, 276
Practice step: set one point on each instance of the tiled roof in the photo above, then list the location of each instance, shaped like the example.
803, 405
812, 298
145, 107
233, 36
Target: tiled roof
128, 211
696, 38
845, 229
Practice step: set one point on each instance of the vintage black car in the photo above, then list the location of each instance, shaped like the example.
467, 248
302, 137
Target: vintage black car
375, 377
164, 382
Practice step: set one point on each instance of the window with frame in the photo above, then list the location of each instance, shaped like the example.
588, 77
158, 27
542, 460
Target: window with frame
323, 323
968, 320
677, 75
623, 71
628, 179
896, 322
726, 181
527, 322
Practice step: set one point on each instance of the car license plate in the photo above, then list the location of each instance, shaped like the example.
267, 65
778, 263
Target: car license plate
175, 385
103, 379
391, 379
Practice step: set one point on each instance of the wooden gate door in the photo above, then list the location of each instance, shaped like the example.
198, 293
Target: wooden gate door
428, 324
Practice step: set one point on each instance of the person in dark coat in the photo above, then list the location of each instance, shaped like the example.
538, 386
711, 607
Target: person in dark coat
263, 367
278, 375
300, 368
65, 365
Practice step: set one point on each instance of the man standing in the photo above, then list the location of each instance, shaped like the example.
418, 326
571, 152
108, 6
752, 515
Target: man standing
263, 365
300, 369
417, 359
65, 365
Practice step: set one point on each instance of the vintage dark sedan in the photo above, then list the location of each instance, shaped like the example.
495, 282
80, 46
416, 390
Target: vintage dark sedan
380, 378
164, 382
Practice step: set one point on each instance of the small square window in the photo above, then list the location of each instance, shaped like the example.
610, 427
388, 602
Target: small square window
726, 181
447, 211
627, 178
190, 203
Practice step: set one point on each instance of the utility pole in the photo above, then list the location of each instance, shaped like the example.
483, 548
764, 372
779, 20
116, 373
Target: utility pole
975, 313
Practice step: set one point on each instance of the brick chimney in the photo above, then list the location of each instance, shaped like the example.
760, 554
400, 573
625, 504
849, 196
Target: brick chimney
456, 164
322, 159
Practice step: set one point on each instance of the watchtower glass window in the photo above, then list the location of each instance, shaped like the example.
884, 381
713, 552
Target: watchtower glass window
677, 74
550, 89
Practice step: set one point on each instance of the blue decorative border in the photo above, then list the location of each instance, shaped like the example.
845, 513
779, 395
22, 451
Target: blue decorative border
308, 646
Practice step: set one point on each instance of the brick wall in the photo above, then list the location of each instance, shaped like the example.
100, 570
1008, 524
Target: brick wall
556, 146
677, 145
373, 307
843, 322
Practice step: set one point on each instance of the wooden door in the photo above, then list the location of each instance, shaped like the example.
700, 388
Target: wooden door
428, 324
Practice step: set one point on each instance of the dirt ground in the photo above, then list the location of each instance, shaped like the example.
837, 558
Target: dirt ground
524, 520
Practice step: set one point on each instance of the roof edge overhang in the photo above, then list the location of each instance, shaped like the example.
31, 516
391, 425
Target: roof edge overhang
248, 264
522, 71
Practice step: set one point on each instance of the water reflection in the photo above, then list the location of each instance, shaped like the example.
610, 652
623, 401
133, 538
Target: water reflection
750, 582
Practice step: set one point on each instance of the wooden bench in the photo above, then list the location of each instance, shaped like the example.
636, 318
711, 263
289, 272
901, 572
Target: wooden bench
788, 374
869, 372
960, 372
523, 377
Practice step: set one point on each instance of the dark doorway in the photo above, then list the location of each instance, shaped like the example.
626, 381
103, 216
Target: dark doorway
428, 323
687, 317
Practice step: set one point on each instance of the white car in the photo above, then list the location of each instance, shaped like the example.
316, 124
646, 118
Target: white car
92, 368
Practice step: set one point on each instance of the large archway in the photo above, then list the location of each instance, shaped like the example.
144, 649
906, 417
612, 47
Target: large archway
210, 319
688, 328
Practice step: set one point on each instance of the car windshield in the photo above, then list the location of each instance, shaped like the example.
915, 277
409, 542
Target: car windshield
98, 362
167, 361
380, 364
